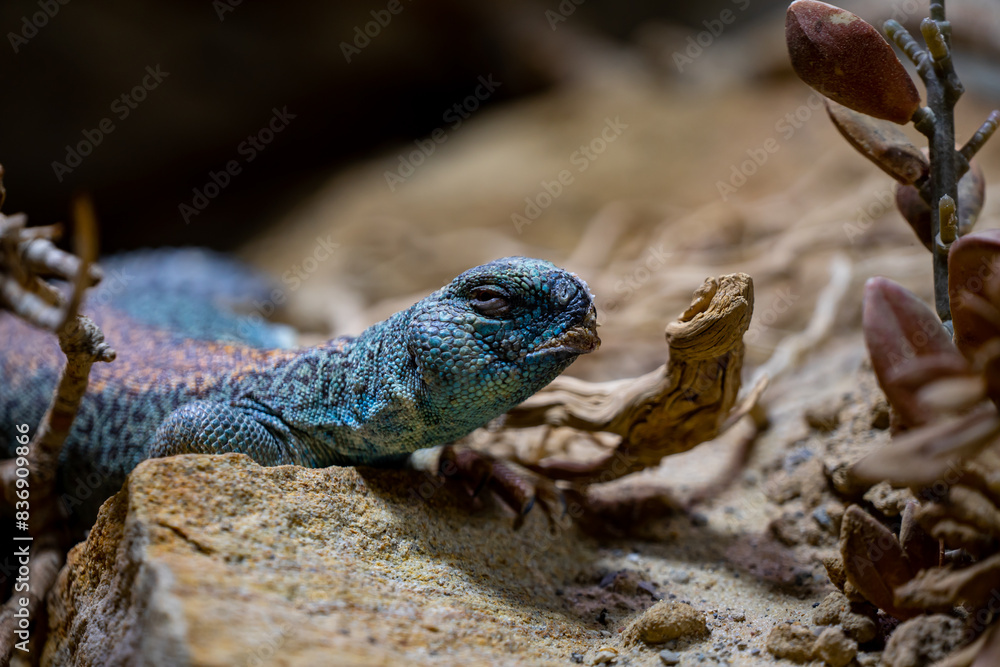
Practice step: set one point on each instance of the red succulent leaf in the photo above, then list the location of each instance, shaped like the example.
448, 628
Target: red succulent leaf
909, 348
916, 212
921, 550
881, 142
974, 287
874, 561
846, 59
989, 648
923, 456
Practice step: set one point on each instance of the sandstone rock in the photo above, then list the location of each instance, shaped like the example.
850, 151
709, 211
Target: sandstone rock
836, 609
835, 648
205, 560
923, 641
829, 610
791, 641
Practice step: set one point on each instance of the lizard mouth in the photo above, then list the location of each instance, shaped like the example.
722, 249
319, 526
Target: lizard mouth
580, 339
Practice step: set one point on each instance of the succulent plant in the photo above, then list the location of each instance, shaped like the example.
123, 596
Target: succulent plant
847, 60
946, 450
940, 368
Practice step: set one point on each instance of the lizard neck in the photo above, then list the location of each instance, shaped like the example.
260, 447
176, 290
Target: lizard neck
354, 401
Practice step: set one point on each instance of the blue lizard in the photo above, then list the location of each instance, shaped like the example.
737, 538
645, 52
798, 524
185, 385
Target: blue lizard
193, 376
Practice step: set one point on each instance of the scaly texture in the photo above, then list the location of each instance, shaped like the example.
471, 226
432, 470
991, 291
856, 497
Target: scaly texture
190, 378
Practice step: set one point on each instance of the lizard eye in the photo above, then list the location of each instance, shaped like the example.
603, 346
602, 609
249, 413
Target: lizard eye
490, 301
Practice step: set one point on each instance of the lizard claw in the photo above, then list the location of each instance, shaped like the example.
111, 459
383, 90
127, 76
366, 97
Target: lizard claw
517, 488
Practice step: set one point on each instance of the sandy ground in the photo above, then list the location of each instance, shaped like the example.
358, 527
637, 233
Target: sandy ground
644, 223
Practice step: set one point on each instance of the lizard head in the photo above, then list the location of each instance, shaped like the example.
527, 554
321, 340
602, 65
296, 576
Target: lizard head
500, 332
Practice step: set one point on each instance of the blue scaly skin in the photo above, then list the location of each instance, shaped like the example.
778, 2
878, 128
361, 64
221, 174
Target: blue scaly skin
194, 377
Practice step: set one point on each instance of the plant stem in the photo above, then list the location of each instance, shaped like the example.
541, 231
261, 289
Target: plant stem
943, 90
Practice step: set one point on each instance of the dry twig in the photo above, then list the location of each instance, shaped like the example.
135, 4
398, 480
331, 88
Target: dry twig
26, 257
683, 403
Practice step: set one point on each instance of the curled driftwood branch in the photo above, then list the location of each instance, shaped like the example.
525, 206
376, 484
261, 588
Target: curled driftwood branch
683, 403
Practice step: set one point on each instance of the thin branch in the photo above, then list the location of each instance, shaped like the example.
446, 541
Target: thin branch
904, 40
981, 136
790, 349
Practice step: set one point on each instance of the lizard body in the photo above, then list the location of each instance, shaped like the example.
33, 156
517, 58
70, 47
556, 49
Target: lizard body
194, 377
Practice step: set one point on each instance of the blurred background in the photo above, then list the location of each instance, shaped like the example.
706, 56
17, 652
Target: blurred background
227, 64
364, 153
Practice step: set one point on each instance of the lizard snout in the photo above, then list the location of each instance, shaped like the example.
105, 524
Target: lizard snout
579, 339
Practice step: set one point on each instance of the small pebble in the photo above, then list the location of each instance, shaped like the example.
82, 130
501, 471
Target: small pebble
604, 655
680, 576
797, 457
670, 657
822, 517
576, 657
665, 621
824, 418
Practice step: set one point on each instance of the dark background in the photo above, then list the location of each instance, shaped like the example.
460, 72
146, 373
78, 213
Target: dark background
225, 77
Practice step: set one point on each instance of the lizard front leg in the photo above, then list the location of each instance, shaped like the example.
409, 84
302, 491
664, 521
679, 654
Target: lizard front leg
517, 488
213, 427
